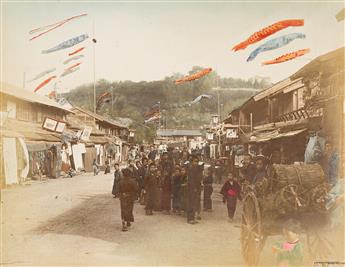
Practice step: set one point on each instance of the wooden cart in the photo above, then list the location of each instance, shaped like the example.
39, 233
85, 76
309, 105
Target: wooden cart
290, 191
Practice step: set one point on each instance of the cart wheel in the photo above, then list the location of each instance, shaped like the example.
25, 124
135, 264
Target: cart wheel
319, 246
252, 240
318, 197
294, 197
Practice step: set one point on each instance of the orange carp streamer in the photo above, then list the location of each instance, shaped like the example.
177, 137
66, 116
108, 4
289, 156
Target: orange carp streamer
76, 51
194, 76
287, 57
265, 32
44, 83
53, 26
73, 66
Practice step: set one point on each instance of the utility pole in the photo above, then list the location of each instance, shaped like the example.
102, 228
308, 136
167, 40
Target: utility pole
219, 121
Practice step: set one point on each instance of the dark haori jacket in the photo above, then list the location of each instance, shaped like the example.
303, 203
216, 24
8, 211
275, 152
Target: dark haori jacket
176, 184
117, 178
128, 189
150, 181
247, 173
166, 166
231, 190
142, 171
194, 178
208, 181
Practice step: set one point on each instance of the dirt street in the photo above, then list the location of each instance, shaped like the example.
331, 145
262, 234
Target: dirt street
77, 222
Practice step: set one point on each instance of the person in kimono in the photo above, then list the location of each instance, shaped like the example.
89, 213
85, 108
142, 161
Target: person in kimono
330, 163
231, 191
208, 189
95, 167
260, 171
127, 191
158, 191
183, 190
218, 171
150, 187
142, 171
248, 170
290, 253
107, 167
166, 191
176, 190
117, 178
193, 189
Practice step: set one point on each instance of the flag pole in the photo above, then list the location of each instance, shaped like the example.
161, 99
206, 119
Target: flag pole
160, 114
94, 66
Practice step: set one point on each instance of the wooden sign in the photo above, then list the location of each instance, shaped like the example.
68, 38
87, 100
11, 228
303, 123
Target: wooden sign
86, 133
49, 124
60, 127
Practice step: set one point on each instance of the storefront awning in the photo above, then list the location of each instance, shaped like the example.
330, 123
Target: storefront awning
272, 135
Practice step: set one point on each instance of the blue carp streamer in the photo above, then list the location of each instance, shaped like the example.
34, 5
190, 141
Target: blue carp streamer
67, 44
275, 43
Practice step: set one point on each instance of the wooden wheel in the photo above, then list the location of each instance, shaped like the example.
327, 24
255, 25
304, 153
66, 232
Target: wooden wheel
294, 197
319, 197
252, 240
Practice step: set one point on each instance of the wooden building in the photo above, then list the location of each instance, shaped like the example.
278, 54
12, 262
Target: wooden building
27, 147
113, 144
179, 137
278, 121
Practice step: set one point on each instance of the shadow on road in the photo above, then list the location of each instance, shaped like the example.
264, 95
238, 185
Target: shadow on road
96, 217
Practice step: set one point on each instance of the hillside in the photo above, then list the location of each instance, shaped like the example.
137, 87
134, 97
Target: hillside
133, 99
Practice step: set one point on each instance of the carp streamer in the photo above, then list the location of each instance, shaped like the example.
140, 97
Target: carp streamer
194, 76
265, 32
53, 26
275, 43
42, 74
287, 57
76, 51
66, 44
45, 82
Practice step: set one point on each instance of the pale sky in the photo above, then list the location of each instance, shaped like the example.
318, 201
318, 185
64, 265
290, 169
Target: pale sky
150, 40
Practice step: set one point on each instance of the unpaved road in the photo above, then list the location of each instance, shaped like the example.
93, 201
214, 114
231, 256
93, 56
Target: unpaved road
77, 222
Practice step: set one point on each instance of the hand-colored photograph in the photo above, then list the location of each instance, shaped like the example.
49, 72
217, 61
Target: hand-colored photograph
172, 133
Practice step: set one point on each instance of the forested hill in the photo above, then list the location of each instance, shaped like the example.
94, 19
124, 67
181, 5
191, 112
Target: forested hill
132, 99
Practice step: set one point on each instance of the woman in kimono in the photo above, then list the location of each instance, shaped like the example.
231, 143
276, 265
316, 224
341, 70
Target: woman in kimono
166, 191
208, 189
128, 189
176, 190
183, 190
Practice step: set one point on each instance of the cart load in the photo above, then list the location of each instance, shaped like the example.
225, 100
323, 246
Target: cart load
288, 191
298, 188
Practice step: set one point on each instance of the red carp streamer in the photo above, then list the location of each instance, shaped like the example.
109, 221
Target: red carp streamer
76, 51
52, 26
287, 57
194, 76
265, 32
73, 66
44, 83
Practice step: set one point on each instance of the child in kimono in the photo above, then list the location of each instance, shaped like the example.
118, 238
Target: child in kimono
290, 253
231, 191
